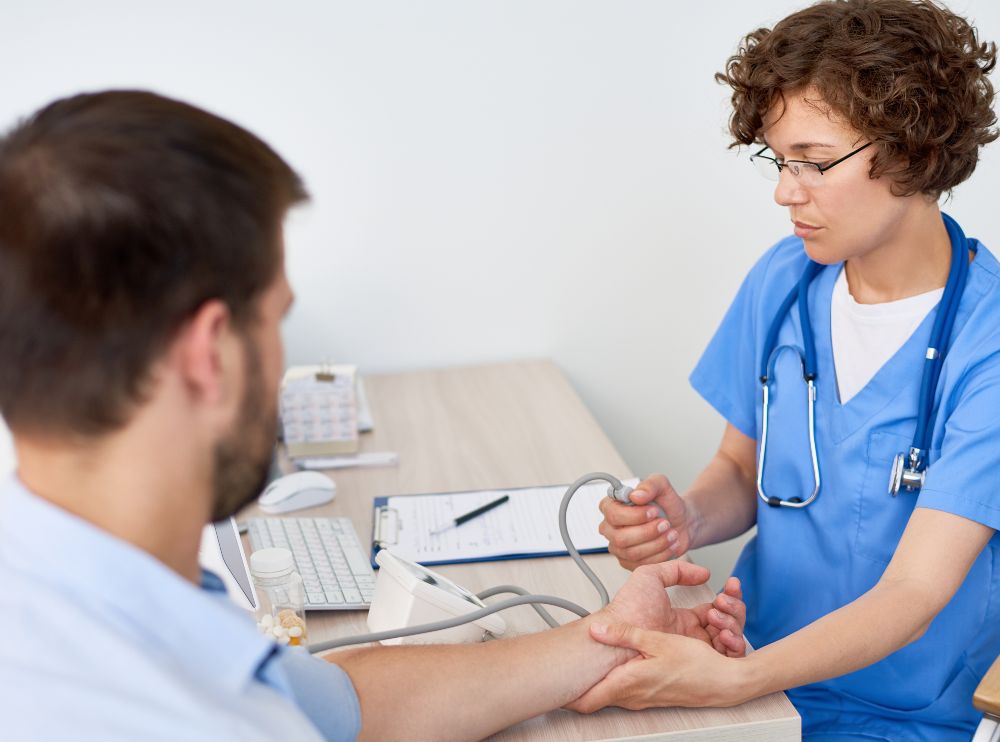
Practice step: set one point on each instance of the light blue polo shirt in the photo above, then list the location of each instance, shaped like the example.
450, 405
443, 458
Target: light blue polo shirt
99, 640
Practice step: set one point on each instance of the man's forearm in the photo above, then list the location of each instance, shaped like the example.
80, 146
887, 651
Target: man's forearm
468, 692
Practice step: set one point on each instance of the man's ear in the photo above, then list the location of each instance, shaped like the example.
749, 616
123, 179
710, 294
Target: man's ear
207, 352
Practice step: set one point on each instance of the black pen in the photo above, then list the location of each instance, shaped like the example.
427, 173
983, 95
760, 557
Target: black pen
470, 515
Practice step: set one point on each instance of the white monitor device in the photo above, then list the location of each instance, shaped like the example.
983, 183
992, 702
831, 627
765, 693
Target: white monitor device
408, 594
222, 553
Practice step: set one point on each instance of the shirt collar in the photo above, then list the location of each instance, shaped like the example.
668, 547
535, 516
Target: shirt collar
146, 602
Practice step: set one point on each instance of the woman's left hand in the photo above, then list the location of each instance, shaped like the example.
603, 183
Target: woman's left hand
670, 670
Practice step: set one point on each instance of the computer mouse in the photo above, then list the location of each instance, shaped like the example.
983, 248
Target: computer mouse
303, 489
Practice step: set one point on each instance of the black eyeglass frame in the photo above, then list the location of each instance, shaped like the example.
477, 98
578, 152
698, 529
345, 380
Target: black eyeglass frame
759, 155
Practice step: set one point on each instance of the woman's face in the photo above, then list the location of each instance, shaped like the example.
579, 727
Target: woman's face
847, 214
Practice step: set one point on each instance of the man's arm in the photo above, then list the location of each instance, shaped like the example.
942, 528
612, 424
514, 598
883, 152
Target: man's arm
471, 691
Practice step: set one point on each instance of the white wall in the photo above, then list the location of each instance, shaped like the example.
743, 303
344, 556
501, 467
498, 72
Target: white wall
492, 180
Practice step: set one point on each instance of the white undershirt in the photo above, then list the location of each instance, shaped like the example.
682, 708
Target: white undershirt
865, 336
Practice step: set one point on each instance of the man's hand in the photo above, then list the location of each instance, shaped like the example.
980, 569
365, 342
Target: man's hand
637, 534
643, 602
669, 670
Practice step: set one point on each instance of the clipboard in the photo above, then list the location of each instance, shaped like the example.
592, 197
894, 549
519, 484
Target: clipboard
525, 527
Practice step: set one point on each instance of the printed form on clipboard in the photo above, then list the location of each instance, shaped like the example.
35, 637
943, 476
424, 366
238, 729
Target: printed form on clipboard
525, 526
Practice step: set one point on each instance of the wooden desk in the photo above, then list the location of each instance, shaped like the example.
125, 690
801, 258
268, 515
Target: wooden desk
513, 425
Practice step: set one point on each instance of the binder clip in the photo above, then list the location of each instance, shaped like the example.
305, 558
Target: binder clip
325, 372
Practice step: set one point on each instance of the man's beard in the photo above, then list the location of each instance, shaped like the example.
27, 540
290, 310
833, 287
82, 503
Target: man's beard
243, 457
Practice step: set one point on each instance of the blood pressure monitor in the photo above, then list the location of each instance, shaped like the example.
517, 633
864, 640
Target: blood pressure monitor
428, 608
407, 594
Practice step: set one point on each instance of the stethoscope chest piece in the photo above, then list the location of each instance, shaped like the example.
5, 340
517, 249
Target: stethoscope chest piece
905, 477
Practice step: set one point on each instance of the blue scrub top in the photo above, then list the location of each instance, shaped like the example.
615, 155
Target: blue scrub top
805, 563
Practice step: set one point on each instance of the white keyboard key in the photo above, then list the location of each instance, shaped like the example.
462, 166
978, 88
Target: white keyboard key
334, 597
358, 561
352, 596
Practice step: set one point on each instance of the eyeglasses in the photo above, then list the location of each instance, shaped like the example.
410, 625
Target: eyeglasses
809, 174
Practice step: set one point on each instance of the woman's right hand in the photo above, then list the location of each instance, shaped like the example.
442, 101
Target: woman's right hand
639, 534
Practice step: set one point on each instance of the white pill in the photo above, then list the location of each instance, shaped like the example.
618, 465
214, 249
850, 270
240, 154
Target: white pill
295, 631
267, 620
283, 639
279, 631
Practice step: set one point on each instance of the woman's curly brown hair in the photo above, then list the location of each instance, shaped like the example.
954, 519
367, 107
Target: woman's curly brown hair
906, 74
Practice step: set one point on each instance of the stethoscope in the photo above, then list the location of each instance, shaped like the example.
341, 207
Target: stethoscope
908, 470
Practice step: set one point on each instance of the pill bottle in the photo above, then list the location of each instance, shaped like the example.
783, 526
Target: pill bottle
280, 596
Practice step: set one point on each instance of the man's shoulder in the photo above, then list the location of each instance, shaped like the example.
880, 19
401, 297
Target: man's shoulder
67, 673
61, 650
70, 673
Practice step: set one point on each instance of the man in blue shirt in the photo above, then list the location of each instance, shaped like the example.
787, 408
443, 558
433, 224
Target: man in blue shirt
141, 291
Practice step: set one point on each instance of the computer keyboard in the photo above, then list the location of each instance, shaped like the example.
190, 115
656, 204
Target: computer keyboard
335, 569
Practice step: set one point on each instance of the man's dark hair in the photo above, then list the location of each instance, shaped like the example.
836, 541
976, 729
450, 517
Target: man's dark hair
121, 213
909, 75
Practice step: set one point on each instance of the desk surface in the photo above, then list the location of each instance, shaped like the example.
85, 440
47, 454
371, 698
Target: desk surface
511, 425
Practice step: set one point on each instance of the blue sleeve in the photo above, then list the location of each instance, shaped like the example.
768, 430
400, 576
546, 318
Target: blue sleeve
726, 375
963, 480
323, 692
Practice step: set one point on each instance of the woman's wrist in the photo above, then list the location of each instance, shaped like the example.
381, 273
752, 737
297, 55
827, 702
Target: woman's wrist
751, 677
695, 522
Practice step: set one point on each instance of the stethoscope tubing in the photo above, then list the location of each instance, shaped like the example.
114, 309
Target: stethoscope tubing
944, 322
941, 332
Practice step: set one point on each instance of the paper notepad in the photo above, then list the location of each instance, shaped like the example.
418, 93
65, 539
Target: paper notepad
525, 526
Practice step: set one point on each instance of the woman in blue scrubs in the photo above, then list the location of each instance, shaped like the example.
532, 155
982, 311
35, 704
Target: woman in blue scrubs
878, 613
